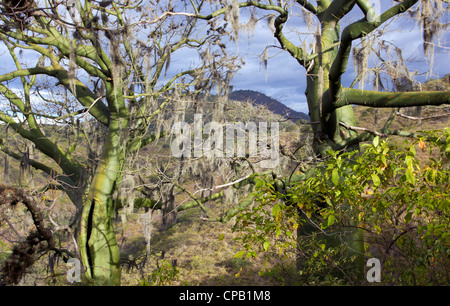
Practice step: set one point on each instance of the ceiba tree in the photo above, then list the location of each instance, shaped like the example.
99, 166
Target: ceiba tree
325, 62
329, 101
109, 62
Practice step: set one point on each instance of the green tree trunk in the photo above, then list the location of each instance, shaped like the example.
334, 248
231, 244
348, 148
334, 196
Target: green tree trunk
98, 245
328, 133
327, 130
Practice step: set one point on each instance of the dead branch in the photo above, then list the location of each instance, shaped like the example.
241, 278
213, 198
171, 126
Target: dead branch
37, 241
355, 128
422, 118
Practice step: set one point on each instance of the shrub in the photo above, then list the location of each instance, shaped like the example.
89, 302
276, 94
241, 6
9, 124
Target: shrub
383, 201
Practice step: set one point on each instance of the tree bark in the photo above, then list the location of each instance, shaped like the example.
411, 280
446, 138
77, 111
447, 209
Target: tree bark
98, 245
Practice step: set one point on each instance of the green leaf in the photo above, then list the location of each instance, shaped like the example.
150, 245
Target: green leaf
376, 141
335, 176
239, 254
251, 254
412, 149
383, 160
266, 245
331, 220
377, 229
278, 232
276, 210
376, 180
259, 183
409, 161
410, 176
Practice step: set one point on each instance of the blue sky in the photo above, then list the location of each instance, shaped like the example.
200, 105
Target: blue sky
285, 79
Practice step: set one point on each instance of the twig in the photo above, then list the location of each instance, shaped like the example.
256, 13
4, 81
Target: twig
355, 128
167, 14
421, 118
232, 183
14, 229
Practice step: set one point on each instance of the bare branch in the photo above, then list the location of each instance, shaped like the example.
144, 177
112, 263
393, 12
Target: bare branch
232, 183
422, 118
355, 128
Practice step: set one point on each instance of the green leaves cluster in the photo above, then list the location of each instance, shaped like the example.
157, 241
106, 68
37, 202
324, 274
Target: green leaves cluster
164, 275
398, 195
271, 223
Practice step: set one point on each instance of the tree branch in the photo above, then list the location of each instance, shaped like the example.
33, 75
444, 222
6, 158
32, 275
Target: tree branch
270, 7
35, 164
337, 10
352, 32
83, 94
307, 5
422, 118
390, 99
24, 254
355, 128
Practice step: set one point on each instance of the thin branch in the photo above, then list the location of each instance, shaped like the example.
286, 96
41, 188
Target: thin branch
257, 4
165, 14
355, 128
422, 118
232, 183
14, 229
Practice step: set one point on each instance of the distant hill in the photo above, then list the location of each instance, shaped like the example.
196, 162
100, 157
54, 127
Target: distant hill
442, 84
258, 98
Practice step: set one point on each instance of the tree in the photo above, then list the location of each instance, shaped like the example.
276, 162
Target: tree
326, 59
329, 101
99, 70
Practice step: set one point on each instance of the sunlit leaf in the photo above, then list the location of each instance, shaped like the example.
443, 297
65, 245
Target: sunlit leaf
239, 254
335, 176
276, 210
331, 219
375, 179
266, 245
376, 141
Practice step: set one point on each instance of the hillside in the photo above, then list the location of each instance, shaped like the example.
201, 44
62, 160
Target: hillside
442, 84
273, 105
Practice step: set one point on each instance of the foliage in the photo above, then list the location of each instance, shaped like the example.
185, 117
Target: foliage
164, 275
399, 200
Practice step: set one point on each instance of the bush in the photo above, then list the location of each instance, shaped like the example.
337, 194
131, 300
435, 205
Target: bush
384, 202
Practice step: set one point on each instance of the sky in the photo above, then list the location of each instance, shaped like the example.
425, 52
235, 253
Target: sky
285, 79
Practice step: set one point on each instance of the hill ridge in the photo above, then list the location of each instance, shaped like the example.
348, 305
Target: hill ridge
258, 98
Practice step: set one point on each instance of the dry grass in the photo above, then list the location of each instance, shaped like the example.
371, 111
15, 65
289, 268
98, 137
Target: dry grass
203, 251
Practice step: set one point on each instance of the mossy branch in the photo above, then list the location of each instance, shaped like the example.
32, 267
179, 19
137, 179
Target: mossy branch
391, 99
352, 32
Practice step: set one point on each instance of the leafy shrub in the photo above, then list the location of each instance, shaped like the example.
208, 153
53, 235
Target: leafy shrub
164, 275
384, 202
